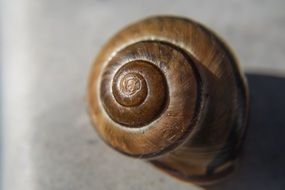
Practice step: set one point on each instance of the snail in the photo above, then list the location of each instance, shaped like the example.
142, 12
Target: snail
168, 90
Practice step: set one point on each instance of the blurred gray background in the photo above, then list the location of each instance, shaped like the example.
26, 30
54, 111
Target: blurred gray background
47, 47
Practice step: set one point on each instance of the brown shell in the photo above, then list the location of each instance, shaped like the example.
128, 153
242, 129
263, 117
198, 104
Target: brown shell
168, 89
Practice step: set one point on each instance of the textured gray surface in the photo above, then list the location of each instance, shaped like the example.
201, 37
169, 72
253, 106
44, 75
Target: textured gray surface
48, 47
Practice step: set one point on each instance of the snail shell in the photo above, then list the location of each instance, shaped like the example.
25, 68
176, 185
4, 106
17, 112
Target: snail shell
169, 90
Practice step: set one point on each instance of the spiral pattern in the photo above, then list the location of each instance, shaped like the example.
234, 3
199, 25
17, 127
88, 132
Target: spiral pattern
168, 89
139, 93
137, 77
144, 90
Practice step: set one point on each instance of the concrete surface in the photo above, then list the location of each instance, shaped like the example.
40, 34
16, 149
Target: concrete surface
47, 49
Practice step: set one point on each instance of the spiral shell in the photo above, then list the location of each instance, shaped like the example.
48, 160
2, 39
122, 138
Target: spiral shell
169, 85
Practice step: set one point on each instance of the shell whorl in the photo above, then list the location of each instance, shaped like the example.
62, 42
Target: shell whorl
142, 93
149, 87
141, 82
168, 89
